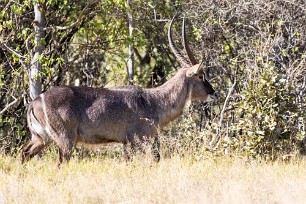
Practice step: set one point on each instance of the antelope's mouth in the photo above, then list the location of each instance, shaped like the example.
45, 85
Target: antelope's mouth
211, 97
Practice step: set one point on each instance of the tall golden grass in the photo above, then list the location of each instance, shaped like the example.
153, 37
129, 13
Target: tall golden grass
173, 180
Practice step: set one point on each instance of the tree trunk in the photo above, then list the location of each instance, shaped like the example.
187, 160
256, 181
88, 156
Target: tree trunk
130, 62
35, 69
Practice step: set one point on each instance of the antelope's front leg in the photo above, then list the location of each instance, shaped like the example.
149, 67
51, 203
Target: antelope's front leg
155, 149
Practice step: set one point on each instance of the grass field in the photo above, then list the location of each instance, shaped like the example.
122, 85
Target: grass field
173, 180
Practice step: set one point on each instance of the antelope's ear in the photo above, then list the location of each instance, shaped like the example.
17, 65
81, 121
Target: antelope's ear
194, 70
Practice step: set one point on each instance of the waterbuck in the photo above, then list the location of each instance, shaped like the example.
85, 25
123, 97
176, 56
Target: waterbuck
67, 115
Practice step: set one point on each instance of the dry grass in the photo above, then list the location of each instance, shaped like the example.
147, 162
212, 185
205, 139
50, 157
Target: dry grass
175, 180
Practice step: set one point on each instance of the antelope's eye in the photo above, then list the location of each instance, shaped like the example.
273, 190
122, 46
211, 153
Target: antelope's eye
202, 77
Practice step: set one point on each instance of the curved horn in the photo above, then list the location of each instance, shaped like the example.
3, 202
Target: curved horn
182, 60
186, 45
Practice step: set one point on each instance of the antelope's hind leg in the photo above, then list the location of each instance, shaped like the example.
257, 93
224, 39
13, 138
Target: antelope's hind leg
65, 143
32, 148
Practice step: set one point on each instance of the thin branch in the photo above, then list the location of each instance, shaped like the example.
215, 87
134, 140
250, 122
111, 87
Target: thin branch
60, 27
21, 58
9, 105
154, 10
217, 139
12, 50
71, 25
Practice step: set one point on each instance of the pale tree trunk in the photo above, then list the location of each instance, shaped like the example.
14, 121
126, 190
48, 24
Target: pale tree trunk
35, 69
130, 62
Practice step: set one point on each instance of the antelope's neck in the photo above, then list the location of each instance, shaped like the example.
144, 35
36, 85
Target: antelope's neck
171, 97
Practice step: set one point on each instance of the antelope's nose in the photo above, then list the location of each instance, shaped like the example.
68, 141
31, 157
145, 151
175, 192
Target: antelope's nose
214, 95
211, 97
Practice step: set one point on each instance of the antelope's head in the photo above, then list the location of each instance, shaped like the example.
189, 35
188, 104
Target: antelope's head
200, 88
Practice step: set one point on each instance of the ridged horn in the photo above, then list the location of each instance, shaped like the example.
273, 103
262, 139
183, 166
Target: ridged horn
186, 45
182, 60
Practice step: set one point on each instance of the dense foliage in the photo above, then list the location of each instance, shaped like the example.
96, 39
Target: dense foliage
254, 53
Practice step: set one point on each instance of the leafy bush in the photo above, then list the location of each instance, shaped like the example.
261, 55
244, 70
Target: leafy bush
259, 45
